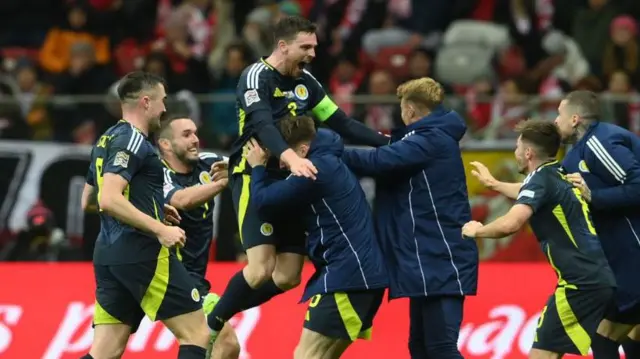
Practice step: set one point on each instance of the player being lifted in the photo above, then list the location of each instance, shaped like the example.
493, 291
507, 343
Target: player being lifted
189, 188
561, 221
348, 285
270, 89
136, 272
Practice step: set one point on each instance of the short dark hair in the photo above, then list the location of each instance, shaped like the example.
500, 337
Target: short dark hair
288, 27
585, 104
544, 135
165, 123
298, 129
133, 83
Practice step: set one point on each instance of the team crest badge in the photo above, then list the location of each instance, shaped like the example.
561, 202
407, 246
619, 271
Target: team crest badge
301, 92
582, 166
205, 177
195, 295
266, 229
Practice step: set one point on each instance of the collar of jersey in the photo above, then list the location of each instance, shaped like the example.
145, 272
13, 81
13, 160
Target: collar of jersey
134, 127
588, 133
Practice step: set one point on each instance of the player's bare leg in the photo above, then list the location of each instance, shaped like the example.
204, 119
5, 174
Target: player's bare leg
288, 270
261, 262
227, 345
614, 331
314, 345
192, 333
543, 354
109, 341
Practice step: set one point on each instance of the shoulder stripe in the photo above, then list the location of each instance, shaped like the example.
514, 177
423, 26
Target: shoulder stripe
167, 175
605, 158
204, 155
134, 141
310, 75
253, 76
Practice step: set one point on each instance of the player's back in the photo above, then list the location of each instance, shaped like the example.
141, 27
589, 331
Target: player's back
197, 222
341, 243
265, 95
563, 226
125, 151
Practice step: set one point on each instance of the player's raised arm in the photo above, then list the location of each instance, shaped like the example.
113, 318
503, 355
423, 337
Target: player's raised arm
124, 159
613, 163
328, 112
482, 173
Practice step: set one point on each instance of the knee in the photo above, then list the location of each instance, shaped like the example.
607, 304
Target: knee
227, 345
286, 281
258, 273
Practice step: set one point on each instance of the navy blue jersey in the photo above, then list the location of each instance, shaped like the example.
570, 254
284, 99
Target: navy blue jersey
264, 96
341, 239
562, 223
198, 222
126, 151
608, 158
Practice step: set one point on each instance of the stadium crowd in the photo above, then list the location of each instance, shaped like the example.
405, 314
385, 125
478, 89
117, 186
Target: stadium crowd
501, 61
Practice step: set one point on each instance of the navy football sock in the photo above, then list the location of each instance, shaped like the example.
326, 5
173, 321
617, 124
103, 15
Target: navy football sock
263, 294
191, 352
88, 356
232, 301
604, 348
631, 349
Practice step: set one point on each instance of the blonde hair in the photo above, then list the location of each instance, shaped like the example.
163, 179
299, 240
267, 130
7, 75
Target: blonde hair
424, 91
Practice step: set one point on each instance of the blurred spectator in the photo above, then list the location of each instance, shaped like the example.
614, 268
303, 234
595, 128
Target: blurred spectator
622, 102
12, 124
622, 51
55, 53
257, 31
40, 241
478, 102
508, 109
222, 123
345, 82
572, 65
84, 77
591, 31
33, 97
410, 23
185, 41
380, 115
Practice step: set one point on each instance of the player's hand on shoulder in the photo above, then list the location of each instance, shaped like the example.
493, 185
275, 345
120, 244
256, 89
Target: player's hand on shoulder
302, 167
482, 173
470, 228
171, 215
172, 236
254, 153
578, 182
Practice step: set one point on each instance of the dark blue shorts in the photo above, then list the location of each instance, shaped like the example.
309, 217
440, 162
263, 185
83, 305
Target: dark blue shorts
286, 234
627, 316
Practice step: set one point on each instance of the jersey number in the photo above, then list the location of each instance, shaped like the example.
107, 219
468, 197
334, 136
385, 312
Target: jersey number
99, 175
315, 300
206, 209
292, 106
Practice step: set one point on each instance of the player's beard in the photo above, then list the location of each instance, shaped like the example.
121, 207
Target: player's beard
184, 156
154, 124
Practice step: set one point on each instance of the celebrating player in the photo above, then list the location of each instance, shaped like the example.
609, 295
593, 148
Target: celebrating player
605, 164
348, 286
607, 157
136, 272
189, 188
268, 90
423, 204
560, 219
